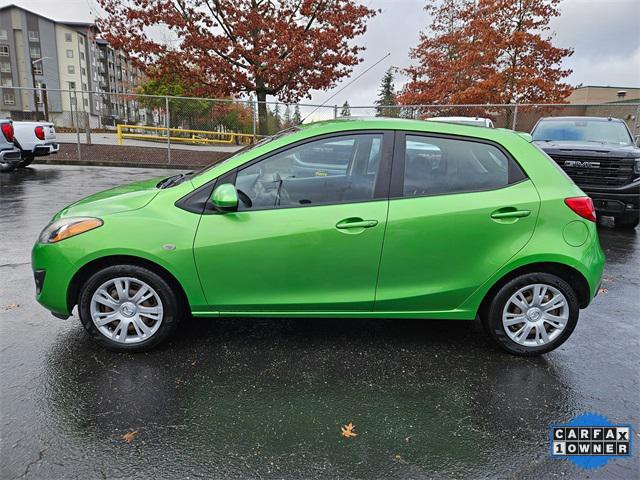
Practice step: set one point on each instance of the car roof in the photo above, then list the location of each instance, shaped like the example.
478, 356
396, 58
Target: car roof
578, 119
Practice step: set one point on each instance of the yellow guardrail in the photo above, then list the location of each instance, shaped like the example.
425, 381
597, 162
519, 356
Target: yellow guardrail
200, 137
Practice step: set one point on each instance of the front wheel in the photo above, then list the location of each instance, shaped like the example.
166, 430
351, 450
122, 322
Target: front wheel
532, 314
128, 308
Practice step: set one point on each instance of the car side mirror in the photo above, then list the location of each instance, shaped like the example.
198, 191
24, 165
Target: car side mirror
225, 198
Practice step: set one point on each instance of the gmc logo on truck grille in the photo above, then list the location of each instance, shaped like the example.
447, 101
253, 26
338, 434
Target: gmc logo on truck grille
579, 164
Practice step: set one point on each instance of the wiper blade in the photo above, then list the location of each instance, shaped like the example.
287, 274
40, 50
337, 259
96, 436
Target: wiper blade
174, 180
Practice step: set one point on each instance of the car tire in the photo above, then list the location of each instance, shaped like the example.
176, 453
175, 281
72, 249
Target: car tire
6, 167
123, 323
628, 222
26, 161
532, 327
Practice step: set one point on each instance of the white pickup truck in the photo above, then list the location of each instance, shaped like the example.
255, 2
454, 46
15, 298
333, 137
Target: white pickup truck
34, 139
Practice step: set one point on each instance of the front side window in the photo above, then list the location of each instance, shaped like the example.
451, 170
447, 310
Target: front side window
437, 166
328, 171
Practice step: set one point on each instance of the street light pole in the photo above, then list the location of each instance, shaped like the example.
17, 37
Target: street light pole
33, 79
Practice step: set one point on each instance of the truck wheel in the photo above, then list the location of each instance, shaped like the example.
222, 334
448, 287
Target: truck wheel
128, 308
26, 161
628, 222
8, 167
532, 314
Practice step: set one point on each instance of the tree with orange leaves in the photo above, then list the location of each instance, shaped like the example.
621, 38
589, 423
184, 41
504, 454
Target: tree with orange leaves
283, 48
487, 51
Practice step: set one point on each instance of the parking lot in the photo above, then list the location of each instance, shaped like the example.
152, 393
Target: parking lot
248, 398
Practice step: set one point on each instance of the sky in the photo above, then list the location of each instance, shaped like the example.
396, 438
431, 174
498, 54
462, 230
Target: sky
604, 33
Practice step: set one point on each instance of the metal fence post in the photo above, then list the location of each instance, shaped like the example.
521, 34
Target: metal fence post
168, 125
75, 122
254, 109
335, 112
515, 117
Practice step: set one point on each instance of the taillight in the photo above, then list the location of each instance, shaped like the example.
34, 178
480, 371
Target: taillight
582, 206
7, 131
39, 132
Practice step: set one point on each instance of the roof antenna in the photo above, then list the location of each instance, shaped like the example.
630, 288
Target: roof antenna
353, 80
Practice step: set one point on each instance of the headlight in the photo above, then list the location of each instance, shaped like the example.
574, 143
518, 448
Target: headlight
67, 228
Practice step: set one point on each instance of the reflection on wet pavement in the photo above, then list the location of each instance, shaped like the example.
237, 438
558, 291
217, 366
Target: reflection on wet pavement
264, 398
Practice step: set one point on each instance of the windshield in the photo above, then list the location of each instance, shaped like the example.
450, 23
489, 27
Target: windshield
263, 141
582, 131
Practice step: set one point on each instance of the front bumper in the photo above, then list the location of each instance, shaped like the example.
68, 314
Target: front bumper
616, 201
53, 273
10, 155
46, 149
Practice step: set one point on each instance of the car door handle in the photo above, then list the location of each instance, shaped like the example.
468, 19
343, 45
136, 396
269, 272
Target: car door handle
510, 213
355, 223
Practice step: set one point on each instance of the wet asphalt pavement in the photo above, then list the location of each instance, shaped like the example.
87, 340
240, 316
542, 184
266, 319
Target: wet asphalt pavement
247, 398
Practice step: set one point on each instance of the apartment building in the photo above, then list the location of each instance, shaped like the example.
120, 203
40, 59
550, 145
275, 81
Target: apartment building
85, 78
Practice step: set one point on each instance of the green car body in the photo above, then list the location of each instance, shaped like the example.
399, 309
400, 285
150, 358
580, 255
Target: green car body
424, 256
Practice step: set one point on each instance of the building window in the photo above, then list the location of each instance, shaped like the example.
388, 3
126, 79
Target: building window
69, 53
4, 50
3, 34
9, 98
37, 68
34, 52
83, 72
86, 102
84, 87
81, 55
34, 36
81, 40
72, 85
7, 82
67, 37
5, 67
71, 69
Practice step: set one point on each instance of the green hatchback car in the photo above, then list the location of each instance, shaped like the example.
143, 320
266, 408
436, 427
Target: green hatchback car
347, 218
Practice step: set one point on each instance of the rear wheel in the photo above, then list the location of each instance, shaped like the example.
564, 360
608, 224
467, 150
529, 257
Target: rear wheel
532, 314
129, 308
627, 222
26, 161
8, 167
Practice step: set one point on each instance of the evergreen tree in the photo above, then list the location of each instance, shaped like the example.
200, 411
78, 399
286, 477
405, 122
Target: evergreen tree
346, 110
286, 121
277, 119
386, 97
297, 118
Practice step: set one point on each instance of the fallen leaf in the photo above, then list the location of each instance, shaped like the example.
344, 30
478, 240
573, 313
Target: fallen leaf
602, 290
348, 430
129, 436
398, 458
10, 306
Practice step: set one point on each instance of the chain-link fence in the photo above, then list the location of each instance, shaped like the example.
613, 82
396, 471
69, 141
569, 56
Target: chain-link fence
143, 130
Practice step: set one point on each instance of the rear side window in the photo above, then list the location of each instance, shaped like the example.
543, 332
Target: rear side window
437, 166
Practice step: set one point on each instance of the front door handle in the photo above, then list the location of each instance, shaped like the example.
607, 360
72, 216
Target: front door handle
355, 223
511, 213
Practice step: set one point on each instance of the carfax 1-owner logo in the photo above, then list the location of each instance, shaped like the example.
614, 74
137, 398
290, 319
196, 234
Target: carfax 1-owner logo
590, 440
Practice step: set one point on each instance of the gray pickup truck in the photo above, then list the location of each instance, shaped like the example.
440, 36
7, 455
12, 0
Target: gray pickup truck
601, 157
10, 156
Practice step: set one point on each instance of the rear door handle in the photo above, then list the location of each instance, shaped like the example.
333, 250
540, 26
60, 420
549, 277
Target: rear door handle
355, 223
510, 214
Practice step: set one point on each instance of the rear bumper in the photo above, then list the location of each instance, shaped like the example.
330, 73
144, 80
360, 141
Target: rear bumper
46, 149
618, 201
10, 155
